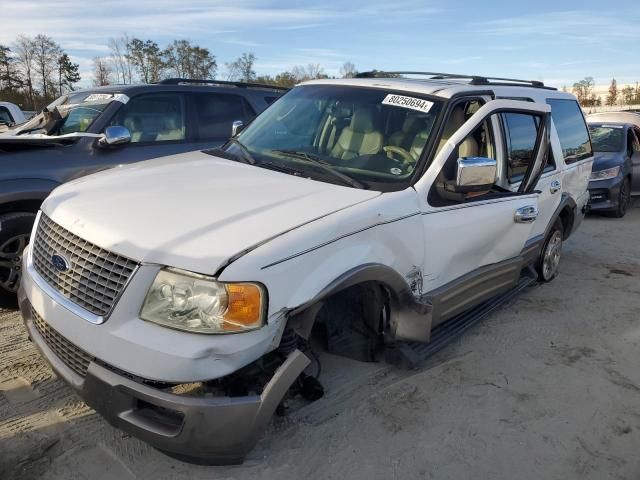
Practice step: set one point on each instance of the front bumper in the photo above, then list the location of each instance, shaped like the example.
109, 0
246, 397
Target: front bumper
214, 430
605, 193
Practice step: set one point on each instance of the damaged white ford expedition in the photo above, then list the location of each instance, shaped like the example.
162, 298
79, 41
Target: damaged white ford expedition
378, 215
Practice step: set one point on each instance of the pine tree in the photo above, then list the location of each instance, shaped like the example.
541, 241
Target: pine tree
612, 98
67, 73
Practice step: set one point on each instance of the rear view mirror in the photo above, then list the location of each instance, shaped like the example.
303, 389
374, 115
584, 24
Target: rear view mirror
236, 127
475, 174
115, 135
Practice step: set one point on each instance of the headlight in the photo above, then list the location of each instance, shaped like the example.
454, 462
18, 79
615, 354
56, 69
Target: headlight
196, 303
605, 174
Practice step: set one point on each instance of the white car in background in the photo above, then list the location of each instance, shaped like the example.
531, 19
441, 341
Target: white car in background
178, 295
10, 115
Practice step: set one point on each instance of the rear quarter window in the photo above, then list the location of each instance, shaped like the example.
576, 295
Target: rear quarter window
572, 129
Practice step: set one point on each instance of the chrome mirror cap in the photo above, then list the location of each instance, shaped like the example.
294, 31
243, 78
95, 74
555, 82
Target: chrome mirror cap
475, 173
116, 135
236, 127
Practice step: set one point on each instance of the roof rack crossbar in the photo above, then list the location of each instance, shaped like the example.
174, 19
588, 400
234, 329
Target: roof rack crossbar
474, 79
179, 81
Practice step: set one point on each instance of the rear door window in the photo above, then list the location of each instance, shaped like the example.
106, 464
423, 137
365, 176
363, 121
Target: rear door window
572, 129
216, 112
157, 117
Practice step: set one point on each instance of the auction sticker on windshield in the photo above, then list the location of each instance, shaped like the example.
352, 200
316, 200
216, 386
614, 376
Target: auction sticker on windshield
408, 102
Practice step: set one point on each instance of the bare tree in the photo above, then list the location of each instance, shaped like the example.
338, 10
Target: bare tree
25, 51
310, 72
121, 58
242, 68
348, 70
101, 72
46, 55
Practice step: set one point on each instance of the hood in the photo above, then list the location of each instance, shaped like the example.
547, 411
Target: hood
192, 211
604, 160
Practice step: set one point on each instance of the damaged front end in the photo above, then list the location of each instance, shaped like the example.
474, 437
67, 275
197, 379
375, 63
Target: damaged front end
215, 423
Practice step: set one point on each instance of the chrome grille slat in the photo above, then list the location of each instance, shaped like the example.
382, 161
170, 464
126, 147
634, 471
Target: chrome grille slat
73, 357
97, 276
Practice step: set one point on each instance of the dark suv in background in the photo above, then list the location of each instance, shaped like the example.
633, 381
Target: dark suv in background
88, 131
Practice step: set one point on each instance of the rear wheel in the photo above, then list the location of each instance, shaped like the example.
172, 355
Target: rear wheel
15, 229
549, 260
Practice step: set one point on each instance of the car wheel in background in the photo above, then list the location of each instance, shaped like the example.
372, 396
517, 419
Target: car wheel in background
15, 229
549, 260
624, 197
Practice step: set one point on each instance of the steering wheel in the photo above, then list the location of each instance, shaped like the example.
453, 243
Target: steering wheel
405, 156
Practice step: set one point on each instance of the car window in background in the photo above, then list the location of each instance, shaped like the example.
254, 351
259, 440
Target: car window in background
636, 139
80, 110
607, 138
5, 116
153, 118
521, 132
215, 114
572, 129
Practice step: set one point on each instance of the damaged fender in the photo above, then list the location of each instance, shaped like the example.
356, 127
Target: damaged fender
410, 316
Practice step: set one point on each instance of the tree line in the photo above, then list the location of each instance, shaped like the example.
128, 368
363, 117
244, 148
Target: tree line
134, 59
35, 70
584, 90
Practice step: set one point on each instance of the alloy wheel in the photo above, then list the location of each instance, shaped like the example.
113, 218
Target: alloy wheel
11, 262
551, 257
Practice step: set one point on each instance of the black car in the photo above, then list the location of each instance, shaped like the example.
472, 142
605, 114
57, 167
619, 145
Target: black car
616, 167
87, 131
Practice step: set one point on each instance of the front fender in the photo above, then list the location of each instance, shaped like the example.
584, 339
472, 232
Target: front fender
25, 189
369, 242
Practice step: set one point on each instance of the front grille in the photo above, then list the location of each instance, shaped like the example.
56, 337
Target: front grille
76, 359
95, 277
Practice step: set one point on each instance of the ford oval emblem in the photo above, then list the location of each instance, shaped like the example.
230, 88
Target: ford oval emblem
60, 263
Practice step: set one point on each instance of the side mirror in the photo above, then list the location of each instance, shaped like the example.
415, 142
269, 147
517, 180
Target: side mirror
236, 127
475, 174
115, 135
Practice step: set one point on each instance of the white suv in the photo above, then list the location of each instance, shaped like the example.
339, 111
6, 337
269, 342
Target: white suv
178, 295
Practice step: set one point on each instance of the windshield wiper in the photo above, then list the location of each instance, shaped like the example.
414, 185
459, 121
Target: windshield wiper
248, 158
326, 166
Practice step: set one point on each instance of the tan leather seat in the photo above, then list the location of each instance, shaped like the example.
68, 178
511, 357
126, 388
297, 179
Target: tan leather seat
404, 136
468, 148
173, 129
359, 138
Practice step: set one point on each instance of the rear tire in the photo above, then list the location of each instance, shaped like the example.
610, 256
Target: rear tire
549, 259
14, 236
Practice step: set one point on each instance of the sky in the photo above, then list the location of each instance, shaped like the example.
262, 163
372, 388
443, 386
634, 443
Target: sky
559, 41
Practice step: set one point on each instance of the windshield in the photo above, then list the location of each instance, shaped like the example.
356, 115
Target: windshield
607, 138
71, 113
372, 136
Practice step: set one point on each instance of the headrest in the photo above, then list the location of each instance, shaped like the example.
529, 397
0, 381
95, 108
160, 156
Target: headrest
456, 120
362, 120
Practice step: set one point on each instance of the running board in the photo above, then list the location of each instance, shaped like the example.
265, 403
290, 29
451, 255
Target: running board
410, 354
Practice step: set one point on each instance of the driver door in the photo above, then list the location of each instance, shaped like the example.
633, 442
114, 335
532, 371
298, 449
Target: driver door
474, 243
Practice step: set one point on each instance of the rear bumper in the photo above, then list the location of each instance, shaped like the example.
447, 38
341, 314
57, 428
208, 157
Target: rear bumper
215, 430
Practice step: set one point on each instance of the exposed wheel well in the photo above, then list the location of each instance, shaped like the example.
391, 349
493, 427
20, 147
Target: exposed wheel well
567, 217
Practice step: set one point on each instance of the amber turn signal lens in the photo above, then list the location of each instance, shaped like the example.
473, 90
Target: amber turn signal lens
244, 307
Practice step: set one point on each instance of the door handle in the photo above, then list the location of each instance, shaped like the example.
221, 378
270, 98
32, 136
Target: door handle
526, 214
555, 186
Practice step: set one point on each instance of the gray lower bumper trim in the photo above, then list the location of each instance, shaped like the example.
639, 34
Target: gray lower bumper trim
213, 430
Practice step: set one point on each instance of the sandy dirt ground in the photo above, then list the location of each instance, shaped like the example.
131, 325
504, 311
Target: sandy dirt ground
546, 387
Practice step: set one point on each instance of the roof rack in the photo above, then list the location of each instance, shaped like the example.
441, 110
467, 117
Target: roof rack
474, 79
181, 81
